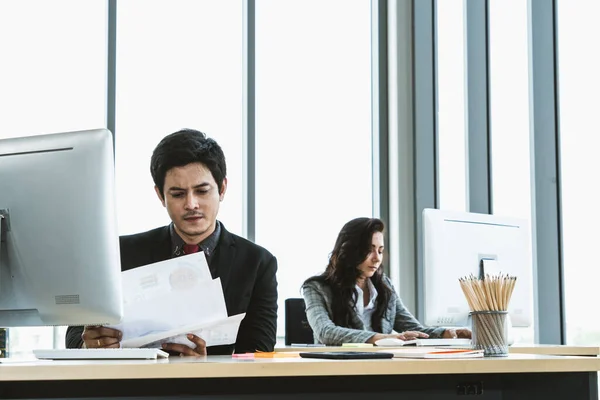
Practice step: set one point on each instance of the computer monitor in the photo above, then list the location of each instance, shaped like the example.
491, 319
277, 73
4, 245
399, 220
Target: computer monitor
59, 245
455, 243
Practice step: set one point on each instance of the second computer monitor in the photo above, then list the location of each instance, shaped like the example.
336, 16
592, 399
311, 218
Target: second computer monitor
454, 245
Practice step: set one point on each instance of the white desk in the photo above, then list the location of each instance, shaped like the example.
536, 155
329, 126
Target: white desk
555, 350
540, 349
518, 376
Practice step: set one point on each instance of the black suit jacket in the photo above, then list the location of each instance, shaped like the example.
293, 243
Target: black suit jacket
247, 273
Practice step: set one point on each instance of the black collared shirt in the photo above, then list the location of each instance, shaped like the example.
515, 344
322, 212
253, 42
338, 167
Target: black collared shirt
208, 245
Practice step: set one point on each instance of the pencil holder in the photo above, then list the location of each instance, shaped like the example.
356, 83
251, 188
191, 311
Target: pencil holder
490, 332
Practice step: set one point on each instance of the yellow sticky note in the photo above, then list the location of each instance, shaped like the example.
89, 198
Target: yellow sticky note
357, 345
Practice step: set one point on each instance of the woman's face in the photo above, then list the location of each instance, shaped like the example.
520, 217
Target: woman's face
370, 265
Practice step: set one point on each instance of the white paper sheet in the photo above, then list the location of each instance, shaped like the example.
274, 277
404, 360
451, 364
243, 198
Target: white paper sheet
171, 298
214, 333
165, 276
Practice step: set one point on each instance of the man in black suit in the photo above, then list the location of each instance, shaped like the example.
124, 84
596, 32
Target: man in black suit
189, 174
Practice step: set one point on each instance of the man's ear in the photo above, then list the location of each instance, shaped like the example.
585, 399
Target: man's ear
159, 194
223, 189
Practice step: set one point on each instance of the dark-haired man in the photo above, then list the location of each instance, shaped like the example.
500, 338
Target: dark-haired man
190, 178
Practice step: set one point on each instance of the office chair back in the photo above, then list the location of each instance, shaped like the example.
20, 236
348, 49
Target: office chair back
297, 329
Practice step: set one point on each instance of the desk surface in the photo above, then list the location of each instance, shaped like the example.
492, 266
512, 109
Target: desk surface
541, 349
555, 349
226, 367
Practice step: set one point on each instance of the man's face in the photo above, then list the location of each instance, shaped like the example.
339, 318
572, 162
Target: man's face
192, 199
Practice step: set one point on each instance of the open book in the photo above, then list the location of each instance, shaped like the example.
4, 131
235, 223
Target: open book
422, 352
391, 342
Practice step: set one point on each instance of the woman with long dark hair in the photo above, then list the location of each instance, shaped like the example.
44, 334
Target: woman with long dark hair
353, 301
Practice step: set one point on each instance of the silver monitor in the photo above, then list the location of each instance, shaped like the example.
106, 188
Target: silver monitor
454, 246
59, 245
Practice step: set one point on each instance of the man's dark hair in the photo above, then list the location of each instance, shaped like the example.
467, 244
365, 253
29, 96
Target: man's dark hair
185, 147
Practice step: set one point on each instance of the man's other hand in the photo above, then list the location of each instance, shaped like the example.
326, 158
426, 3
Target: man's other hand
183, 350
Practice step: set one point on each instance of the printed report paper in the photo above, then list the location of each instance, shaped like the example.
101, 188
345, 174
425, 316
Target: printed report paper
164, 301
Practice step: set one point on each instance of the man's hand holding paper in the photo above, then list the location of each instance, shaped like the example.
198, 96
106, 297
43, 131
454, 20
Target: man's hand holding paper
101, 337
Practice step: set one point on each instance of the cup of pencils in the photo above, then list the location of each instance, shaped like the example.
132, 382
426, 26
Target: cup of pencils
488, 300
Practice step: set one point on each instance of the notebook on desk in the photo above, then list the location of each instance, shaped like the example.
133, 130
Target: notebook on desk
100, 354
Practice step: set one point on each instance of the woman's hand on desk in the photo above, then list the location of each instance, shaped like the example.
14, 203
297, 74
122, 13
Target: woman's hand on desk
183, 350
408, 335
95, 337
452, 333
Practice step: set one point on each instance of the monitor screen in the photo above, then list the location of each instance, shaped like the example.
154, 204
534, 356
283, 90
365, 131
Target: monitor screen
454, 245
59, 245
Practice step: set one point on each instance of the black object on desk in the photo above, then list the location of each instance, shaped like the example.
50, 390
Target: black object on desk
346, 355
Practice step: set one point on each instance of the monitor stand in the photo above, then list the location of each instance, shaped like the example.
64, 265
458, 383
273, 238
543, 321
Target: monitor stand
488, 265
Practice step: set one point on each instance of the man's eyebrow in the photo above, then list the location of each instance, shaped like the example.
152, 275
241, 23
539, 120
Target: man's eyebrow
201, 185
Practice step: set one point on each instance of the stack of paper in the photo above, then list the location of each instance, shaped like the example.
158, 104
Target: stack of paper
165, 301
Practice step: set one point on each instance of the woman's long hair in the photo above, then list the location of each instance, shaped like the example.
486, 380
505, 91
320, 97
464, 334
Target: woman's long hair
352, 247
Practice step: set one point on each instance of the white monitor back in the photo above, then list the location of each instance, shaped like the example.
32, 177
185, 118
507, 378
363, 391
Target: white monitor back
454, 244
59, 253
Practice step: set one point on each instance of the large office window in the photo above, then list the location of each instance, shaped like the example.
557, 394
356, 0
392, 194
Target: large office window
579, 86
450, 45
52, 79
52, 74
313, 130
179, 65
509, 115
